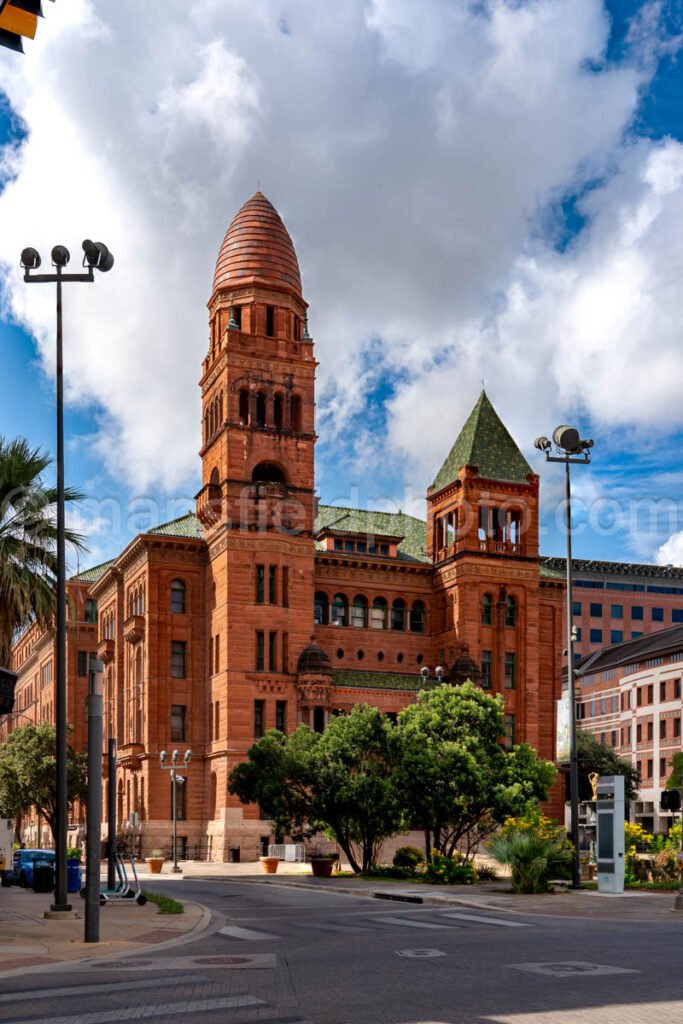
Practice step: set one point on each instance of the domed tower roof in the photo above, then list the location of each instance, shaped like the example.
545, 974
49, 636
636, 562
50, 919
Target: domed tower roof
464, 668
314, 661
257, 249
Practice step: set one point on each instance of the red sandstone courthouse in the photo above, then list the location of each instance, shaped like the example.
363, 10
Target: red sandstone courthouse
266, 609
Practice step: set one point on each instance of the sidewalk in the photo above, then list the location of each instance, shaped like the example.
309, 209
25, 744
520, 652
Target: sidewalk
28, 939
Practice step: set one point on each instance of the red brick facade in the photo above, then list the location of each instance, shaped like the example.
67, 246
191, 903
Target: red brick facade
206, 624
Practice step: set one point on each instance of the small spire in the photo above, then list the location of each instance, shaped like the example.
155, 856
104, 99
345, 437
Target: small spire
306, 335
232, 323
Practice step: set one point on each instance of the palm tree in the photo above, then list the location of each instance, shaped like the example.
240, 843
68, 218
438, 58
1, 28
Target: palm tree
28, 536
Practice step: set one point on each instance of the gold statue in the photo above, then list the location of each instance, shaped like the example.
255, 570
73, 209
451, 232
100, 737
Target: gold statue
593, 779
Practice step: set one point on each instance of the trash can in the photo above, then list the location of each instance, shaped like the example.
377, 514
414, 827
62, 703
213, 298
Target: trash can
73, 875
43, 877
234, 854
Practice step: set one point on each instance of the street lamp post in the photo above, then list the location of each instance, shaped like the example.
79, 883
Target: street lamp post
176, 780
96, 256
569, 449
94, 803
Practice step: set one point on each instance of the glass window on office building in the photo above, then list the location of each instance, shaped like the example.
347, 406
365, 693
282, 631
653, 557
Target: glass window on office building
596, 636
596, 610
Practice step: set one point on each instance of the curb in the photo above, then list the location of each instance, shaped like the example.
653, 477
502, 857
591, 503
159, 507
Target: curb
65, 965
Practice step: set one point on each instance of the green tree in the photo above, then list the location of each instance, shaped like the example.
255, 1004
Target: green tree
28, 777
455, 778
594, 756
340, 781
675, 780
28, 532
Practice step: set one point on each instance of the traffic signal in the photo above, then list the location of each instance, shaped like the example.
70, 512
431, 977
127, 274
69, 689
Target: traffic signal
671, 800
8, 680
18, 20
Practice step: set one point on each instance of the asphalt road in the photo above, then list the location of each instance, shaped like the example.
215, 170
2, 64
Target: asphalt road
288, 956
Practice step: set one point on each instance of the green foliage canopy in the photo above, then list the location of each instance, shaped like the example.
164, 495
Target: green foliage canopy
28, 777
594, 756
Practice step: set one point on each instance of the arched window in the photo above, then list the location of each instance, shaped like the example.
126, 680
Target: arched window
340, 608
320, 609
417, 617
267, 472
220, 409
178, 597
510, 611
359, 612
90, 610
378, 613
486, 610
296, 414
261, 409
244, 407
277, 410
207, 434
398, 614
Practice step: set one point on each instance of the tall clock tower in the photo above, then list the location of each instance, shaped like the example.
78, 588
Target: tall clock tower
256, 501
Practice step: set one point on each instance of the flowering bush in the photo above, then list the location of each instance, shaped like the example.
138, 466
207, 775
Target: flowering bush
635, 838
538, 825
411, 858
455, 870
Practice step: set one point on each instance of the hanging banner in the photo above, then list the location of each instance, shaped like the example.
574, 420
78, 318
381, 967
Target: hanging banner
563, 733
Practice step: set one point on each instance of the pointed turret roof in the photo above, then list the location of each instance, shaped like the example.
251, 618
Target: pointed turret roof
485, 442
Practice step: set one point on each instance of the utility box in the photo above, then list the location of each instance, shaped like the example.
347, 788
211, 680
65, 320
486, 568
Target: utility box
610, 829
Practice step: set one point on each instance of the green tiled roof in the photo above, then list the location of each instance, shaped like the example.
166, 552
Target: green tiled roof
377, 680
93, 575
484, 442
412, 548
550, 572
186, 526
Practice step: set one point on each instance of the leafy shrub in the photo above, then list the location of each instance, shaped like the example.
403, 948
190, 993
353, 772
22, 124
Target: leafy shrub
73, 853
534, 859
410, 857
486, 873
636, 838
389, 871
455, 870
665, 868
537, 824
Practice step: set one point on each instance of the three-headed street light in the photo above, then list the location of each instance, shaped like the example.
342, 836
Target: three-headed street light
569, 448
176, 780
96, 256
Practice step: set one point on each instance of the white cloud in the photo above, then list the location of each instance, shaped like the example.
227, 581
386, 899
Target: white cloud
671, 552
409, 148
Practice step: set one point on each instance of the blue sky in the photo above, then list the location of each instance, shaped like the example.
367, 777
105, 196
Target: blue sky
420, 285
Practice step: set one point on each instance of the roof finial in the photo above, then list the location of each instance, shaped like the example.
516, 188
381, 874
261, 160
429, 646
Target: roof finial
306, 335
483, 384
232, 323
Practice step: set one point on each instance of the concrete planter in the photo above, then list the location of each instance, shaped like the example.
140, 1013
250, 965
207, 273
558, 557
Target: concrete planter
323, 867
270, 864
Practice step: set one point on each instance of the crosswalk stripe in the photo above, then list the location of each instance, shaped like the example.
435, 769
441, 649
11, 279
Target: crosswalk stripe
249, 934
487, 920
410, 924
158, 1010
86, 990
325, 926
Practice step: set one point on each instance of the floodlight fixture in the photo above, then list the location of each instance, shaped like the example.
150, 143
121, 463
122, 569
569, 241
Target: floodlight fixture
97, 255
60, 256
544, 444
424, 672
162, 757
174, 756
439, 672
30, 258
567, 439
187, 756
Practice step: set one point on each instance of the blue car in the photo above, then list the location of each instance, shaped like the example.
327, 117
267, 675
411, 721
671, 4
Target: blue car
21, 871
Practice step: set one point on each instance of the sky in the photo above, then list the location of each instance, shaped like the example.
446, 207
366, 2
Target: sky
480, 192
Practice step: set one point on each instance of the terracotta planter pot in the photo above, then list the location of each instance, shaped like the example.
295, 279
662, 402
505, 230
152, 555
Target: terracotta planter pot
323, 867
154, 864
270, 864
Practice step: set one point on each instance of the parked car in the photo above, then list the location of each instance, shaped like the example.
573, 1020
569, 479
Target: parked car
21, 870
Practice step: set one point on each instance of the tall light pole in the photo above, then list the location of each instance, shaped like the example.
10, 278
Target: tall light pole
96, 256
569, 448
176, 780
94, 804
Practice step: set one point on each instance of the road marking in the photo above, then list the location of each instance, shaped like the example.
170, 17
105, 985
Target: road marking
23, 949
572, 969
86, 990
486, 920
410, 924
235, 932
159, 1010
420, 954
326, 926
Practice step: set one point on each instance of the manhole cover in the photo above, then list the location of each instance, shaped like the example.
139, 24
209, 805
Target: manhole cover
571, 968
420, 954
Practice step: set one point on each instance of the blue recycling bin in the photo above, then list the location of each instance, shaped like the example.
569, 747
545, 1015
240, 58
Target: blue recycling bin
73, 875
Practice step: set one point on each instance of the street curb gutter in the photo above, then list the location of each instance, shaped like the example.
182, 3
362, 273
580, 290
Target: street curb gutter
65, 965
